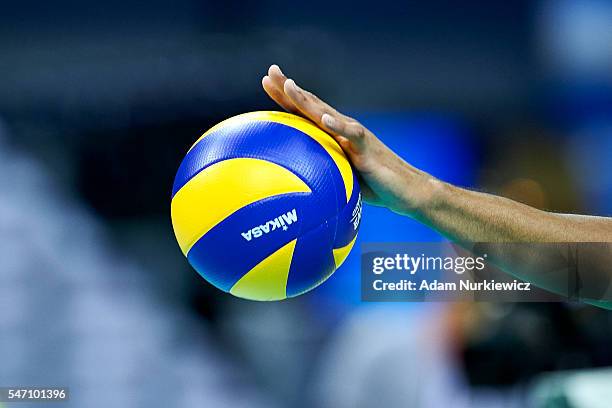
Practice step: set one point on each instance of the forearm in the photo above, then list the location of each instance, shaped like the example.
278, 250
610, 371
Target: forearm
507, 230
471, 216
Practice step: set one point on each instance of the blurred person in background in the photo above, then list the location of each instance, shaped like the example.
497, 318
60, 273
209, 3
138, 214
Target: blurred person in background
76, 313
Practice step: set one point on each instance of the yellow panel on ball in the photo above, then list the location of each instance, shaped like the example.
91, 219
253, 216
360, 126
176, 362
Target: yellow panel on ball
220, 189
267, 280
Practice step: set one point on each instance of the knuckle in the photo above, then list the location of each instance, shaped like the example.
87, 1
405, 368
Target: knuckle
303, 96
341, 125
314, 98
359, 131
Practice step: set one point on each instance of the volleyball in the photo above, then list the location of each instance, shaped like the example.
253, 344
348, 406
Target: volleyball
265, 206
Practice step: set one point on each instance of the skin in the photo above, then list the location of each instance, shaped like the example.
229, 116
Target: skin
462, 215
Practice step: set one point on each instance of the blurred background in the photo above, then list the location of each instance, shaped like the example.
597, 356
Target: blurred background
99, 101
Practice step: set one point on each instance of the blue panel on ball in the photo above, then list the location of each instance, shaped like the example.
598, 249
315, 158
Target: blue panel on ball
313, 260
223, 255
349, 218
277, 143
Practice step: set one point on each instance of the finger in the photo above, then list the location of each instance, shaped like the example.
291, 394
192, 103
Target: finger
277, 81
310, 105
348, 147
277, 76
278, 96
346, 128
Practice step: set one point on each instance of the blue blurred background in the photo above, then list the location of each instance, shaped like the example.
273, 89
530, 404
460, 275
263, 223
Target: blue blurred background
99, 101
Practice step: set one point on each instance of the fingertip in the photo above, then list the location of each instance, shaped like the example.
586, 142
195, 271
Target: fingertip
343, 142
266, 83
275, 69
290, 86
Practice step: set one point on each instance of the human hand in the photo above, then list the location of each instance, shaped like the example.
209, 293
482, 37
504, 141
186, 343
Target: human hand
385, 179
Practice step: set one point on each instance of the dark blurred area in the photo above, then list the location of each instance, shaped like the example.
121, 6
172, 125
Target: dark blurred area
100, 101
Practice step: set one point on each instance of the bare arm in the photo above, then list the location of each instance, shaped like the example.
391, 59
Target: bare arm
471, 216
462, 215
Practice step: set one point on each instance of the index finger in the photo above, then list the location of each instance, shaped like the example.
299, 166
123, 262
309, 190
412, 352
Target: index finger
309, 104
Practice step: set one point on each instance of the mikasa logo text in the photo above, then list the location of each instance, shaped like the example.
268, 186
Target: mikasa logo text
282, 221
356, 214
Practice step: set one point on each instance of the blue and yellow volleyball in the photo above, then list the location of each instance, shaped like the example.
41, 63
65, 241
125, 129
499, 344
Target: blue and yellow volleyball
265, 206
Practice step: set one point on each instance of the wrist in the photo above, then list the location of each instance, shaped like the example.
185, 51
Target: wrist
422, 194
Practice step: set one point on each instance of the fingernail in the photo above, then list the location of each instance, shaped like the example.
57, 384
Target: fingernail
291, 83
329, 121
279, 70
